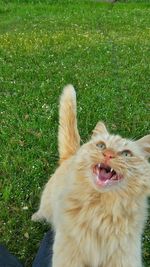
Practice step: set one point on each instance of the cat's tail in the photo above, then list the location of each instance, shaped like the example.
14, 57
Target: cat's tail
68, 135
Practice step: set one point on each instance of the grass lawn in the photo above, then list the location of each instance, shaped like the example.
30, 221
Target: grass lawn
103, 50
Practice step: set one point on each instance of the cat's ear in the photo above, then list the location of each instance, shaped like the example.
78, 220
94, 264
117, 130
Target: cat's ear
100, 128
144, 143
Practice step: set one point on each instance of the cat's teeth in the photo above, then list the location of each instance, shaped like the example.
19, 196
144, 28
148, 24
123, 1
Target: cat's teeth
99, 165
111, 169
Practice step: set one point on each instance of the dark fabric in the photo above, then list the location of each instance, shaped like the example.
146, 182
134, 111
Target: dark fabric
7, 259
43, 257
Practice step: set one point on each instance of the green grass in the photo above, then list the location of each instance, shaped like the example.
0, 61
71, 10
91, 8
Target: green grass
102, 49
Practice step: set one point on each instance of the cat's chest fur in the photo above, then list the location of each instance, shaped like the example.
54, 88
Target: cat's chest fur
103, 225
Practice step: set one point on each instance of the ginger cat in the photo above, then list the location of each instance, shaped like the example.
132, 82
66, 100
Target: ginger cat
97, 198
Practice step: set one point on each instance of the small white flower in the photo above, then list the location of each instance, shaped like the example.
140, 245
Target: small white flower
25, 208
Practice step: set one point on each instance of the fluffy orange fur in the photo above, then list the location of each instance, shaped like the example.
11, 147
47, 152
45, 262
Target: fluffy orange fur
97, 224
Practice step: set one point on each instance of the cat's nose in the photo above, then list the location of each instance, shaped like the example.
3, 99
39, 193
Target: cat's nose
109, 154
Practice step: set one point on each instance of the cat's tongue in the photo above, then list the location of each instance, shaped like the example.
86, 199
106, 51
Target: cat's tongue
104, 175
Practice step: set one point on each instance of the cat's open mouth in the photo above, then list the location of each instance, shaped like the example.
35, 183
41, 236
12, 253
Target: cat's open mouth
105, 175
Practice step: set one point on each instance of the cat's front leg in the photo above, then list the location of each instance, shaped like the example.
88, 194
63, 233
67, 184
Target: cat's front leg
66, 253
45, 210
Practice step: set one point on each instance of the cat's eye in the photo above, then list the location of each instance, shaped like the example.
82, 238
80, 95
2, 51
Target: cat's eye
126, 153
101, 145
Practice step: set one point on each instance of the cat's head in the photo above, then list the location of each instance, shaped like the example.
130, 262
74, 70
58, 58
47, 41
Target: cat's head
109, 161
